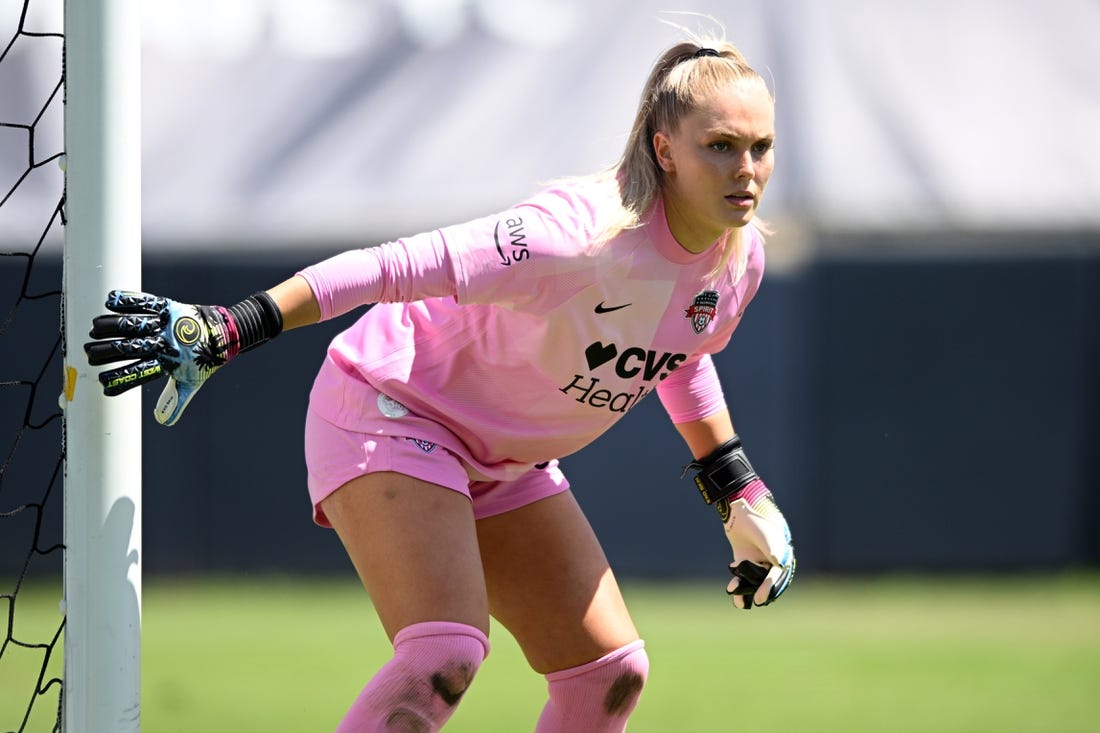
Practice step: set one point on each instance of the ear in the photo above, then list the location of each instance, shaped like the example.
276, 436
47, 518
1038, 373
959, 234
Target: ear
662, 150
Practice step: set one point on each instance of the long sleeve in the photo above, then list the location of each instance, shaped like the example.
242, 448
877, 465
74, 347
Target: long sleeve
400, 271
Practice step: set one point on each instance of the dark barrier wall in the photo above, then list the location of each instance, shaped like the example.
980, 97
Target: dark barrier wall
910, 413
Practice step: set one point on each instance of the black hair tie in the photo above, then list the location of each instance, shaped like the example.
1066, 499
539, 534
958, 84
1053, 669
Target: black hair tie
705, 52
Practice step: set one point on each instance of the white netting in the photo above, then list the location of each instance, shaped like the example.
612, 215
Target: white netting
31, 452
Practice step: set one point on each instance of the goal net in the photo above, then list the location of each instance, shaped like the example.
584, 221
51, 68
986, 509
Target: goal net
31, 460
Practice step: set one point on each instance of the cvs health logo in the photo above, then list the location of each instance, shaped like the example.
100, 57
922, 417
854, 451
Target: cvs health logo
628, 364
632, 361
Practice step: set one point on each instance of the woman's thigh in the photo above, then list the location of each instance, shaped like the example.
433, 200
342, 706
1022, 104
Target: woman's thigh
550, 585
415, 548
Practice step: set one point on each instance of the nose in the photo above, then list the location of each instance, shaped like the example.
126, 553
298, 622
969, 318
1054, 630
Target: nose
745, 167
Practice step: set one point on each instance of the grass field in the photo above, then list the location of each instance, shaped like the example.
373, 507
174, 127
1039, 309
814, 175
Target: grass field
882, 655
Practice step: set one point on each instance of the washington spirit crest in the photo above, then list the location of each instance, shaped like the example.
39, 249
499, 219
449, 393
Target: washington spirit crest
703, 310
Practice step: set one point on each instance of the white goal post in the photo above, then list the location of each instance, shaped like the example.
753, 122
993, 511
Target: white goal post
102, 686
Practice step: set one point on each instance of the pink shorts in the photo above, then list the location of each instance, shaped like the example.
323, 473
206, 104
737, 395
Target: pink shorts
335, 456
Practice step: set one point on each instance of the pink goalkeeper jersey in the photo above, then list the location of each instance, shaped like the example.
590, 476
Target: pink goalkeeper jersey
515, 339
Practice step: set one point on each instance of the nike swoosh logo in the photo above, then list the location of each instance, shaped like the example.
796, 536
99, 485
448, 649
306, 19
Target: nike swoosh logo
601, 308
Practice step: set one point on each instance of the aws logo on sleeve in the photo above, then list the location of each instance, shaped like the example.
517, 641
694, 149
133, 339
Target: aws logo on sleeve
511, 240
627, 364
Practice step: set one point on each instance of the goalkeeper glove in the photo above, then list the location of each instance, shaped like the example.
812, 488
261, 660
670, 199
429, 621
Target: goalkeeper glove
186, 342
763, 554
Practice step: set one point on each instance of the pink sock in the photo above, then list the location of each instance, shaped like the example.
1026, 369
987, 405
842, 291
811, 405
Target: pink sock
596, 697
418, 690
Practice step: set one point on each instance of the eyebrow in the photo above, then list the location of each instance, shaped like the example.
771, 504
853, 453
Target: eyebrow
726, 132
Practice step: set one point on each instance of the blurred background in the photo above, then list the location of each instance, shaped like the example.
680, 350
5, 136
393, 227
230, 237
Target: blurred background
916, 380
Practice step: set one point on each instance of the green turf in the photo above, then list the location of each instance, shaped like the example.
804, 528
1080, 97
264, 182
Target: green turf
851, 656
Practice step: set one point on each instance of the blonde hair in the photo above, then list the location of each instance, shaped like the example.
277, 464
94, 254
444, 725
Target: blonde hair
680, 79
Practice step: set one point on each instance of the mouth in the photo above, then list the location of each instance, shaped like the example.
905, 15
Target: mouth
742, 199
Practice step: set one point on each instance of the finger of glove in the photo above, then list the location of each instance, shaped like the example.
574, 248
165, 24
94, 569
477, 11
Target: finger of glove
763, 595
108, 352
784, 579
746, 579
742, 601
117, 381
173, 400
129, 301
750, 574
783, 575
108, 326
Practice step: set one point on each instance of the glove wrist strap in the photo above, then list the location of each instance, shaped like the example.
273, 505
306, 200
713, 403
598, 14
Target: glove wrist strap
724, 472
257, 320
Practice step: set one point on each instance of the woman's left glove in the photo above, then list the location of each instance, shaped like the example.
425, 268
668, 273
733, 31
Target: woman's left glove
763, 554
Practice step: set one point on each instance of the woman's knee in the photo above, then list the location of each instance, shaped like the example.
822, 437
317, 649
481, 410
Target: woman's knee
599, 696
450, 654
433, 665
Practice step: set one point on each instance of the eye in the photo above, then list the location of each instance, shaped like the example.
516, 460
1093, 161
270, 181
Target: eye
762, 147
720, 147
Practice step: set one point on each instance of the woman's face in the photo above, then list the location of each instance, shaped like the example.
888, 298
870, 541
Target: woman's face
717, 164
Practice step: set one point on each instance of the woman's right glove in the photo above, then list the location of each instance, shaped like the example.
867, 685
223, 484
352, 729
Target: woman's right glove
763, 554
186, 342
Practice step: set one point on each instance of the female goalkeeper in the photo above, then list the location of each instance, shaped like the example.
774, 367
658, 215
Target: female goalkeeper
498, 346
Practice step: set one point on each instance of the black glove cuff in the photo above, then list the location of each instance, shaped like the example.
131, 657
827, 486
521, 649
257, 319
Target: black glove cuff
722, 473
258, 320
